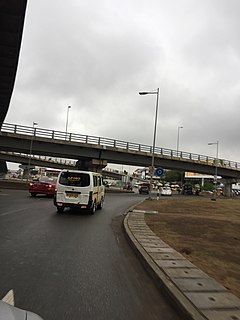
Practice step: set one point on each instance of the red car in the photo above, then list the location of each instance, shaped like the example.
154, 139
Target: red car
44, 185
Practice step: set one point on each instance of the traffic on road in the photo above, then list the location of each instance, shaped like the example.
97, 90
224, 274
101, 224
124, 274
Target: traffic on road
74, 265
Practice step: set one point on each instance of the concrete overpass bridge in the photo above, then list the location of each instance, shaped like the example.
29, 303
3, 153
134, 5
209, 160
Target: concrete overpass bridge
91, 151
54, 163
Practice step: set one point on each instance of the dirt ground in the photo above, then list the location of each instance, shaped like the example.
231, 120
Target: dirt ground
206, 232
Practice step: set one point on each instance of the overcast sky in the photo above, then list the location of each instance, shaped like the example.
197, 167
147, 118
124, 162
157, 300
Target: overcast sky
97, 55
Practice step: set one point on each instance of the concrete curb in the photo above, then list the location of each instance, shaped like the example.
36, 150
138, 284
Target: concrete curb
196, 295
17, 185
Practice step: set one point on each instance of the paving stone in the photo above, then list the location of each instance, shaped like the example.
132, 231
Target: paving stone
185, 273
148, 238
160, 250
213, 300
137, 234
137, 231
151, 212
222, 314
143, 230
144, 211
152, 245
198, 284
137, 216
167, 255
174, 263
135, 225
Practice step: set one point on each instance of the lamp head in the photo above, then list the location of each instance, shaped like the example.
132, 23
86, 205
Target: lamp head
212, 143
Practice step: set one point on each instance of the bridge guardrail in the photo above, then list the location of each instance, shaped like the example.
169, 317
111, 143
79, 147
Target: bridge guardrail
107, 142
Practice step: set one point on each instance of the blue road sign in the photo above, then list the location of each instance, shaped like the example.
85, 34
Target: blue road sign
158, 172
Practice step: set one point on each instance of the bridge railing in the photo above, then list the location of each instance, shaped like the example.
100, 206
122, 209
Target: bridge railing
107, 142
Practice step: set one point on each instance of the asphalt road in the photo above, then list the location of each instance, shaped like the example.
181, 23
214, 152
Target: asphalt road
74, 265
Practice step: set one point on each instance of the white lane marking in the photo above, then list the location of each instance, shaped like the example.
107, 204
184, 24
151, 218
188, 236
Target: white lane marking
3, 194
13, 211
9, 298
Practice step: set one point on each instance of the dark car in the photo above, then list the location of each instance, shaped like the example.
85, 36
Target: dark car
128, 186
187, 189
44, 185
144, 188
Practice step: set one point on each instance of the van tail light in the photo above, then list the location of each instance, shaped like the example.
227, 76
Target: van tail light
90, 198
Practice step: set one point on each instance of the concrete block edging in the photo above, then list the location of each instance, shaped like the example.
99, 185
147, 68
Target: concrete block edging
163, 281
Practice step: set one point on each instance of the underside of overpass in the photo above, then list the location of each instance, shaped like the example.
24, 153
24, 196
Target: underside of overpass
12, 14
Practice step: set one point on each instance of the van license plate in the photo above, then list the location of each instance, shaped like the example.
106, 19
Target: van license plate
72, 195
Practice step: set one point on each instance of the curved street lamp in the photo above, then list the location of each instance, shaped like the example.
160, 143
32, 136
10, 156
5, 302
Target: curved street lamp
215, 176
30, 151
180, 127
69, 107
154, 134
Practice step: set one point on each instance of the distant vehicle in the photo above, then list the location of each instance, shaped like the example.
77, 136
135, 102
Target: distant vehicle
187, 189
166, 191
144, 188
43, 185
128, 186
106, 184
136, 185
79, 189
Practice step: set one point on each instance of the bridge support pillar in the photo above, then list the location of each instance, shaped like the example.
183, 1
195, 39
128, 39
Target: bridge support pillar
25, 173
227, 190
95, 165
3, 168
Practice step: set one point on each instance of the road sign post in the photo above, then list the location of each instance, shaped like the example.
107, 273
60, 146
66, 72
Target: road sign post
159, 172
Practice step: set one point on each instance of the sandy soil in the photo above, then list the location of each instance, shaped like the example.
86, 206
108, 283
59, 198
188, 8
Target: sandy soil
206, 232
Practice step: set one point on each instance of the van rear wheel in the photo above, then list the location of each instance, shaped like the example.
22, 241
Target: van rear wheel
100, 205
60, 209
93, 209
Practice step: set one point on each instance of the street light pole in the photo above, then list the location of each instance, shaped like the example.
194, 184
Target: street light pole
178, 139
216, 171
154, 134
30, 150
69, 107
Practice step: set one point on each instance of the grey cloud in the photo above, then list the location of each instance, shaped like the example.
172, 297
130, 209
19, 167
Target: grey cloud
96, 57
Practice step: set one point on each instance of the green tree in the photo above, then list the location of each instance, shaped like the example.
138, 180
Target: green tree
208, 186
172, 176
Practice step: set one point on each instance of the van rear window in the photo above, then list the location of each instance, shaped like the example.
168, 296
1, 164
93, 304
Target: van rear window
74, 179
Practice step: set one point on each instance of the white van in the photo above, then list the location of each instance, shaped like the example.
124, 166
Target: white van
79, 189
